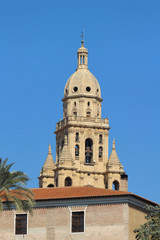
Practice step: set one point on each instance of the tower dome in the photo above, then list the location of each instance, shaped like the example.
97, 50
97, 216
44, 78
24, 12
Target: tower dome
82, 83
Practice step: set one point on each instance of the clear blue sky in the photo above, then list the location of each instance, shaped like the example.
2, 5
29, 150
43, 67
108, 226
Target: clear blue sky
38, 44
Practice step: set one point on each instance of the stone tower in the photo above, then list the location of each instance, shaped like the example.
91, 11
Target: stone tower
82, 135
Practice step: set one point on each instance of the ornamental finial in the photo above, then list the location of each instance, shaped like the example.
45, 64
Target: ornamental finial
49, 148
82, 41
114, 141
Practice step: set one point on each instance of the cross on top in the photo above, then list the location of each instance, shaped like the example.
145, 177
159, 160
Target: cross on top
82, 36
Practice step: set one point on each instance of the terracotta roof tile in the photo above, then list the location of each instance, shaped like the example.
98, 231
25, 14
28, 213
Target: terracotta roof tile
73, 192
41, 194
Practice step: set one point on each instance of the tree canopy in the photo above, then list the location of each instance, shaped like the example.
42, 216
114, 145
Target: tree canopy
13, 190
151, 229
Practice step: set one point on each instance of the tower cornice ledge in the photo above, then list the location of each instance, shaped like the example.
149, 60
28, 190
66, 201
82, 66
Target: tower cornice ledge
91, 172
65, 168
80, 121
82, 96
46, 176
114, 171
82, 126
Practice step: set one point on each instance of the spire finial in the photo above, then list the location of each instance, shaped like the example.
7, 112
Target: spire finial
114, 141
82, 41
49, 148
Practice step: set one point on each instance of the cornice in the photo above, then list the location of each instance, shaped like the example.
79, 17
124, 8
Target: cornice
82, 96
64, 168
129, 199
91, 172
81, 126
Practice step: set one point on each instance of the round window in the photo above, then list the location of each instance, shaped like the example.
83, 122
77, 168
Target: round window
75, 89
66, 91
88, 89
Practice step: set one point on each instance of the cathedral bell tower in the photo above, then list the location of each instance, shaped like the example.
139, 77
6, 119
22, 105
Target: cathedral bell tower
82, 133
82, 137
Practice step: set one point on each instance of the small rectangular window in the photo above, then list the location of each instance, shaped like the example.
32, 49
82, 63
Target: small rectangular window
77, 222
21, 224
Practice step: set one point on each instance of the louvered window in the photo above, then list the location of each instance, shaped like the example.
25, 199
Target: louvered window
21, 224
77, 222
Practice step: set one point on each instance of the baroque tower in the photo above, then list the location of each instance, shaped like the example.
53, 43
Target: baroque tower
82, 137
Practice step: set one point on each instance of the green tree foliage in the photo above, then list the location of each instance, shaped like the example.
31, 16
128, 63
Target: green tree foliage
151, 229
13, 188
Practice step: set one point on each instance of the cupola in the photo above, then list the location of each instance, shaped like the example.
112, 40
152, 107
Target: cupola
82, 82
82, 57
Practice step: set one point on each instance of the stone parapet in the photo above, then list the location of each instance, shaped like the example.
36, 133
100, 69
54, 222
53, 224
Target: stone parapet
83, 121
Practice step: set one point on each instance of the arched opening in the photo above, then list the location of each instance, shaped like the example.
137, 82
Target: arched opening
88, 114
83, 59
77, 137
62, 144
88, 150
100, 152
80, 59
50, 185
75, 114
77, 150
115, 185
58, 149
68, 181
100, 138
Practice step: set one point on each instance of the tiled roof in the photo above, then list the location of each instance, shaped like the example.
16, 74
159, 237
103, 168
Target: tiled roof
41, 194
62, 193
73, 192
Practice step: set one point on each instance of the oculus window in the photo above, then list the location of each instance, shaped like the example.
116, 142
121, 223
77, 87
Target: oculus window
88, 89
75, 89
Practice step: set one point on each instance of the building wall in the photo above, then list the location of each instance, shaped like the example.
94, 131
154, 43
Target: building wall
136, 218
101, 222
107, 222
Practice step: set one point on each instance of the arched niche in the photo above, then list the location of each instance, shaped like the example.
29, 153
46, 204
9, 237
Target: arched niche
88, 150
100, 152
77, 137
68, 182
77, 150
115, 185
50, 185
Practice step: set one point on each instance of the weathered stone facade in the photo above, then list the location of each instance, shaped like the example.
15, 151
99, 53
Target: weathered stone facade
82, 137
